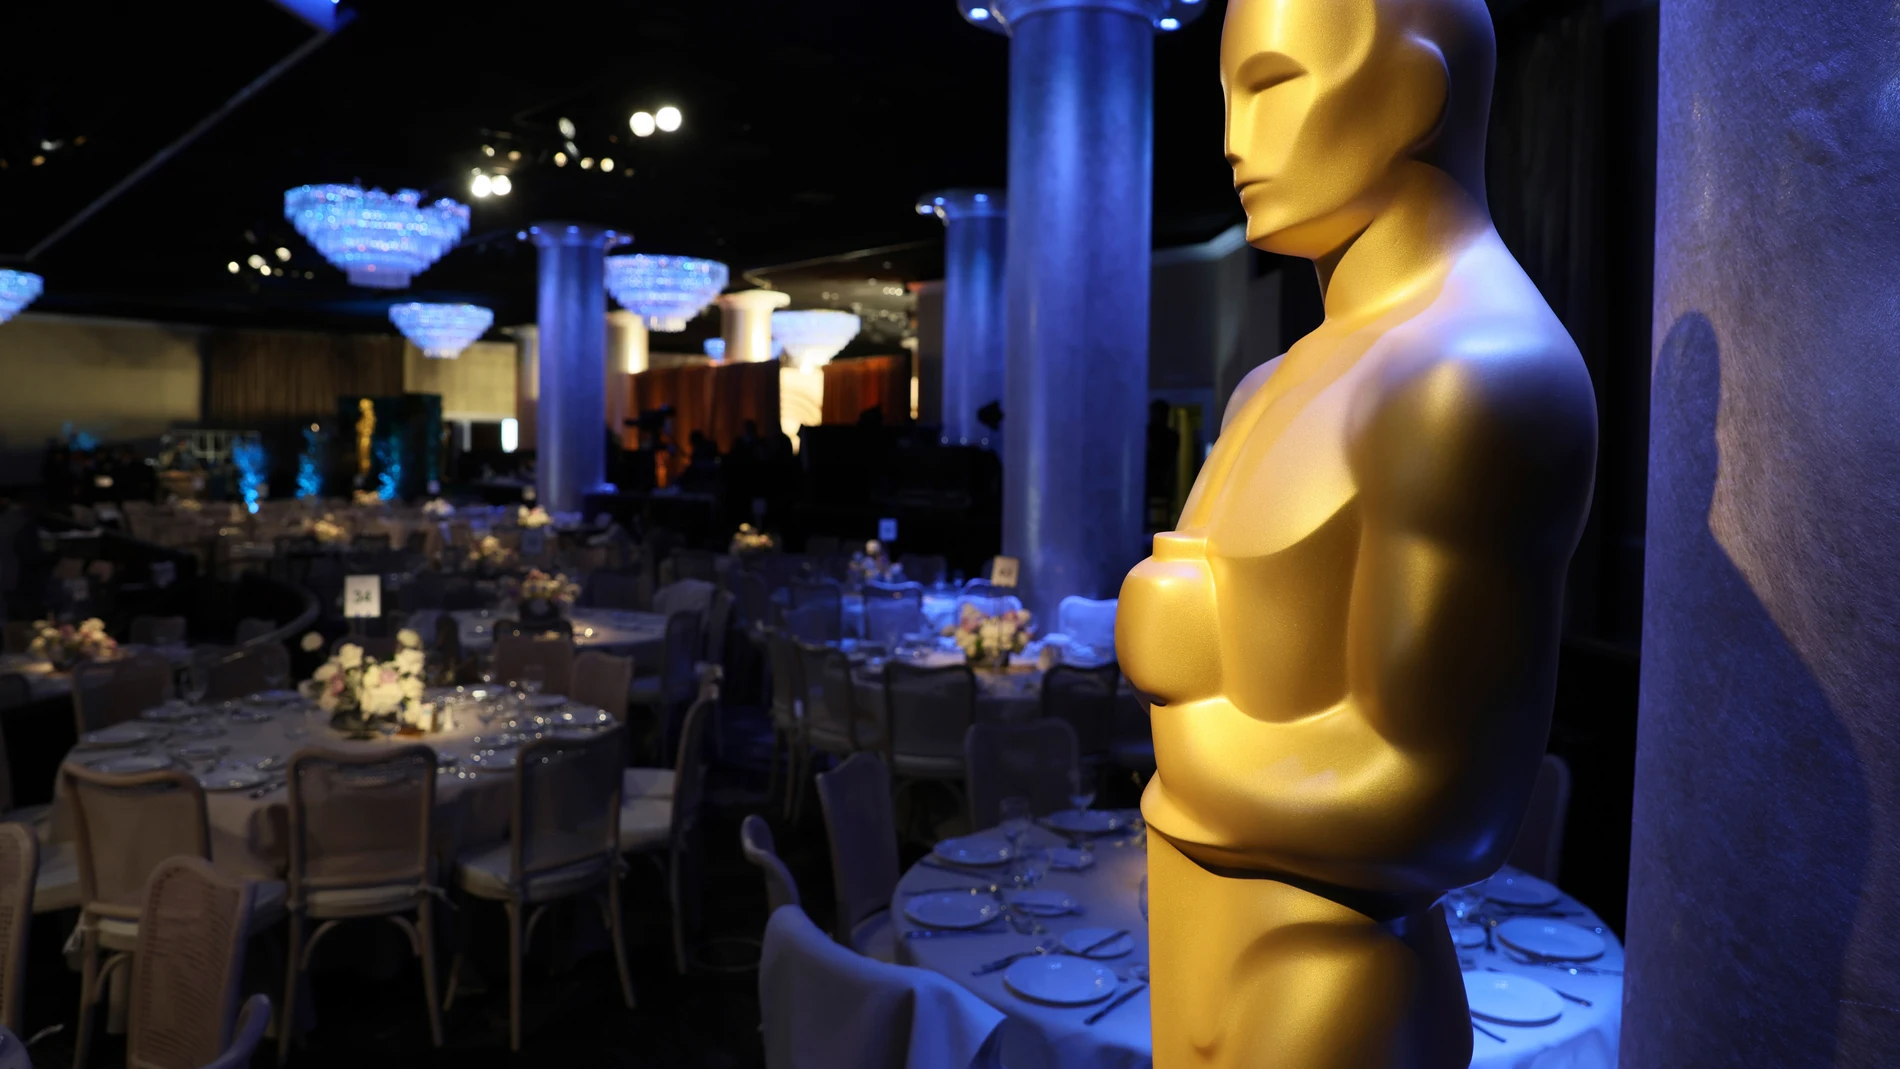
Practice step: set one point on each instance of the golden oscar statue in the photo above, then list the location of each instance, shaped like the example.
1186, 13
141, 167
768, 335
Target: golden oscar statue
1350, 643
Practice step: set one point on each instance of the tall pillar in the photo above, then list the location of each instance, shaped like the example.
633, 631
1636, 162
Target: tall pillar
570, 448
1764, 901
626, 357
527, 381
1081, 162
746, 323
975, 331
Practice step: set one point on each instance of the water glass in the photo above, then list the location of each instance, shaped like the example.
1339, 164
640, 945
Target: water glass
1032, 864
1014, 813
1081, 789
533, 678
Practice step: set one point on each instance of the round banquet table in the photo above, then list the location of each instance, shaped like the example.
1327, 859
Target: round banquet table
249, 832
1036, 1035
1014, 693
640, 635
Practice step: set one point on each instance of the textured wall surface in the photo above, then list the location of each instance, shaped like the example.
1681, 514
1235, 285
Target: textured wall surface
1765, 879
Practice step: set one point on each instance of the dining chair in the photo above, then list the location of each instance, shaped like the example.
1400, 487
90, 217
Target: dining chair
15, 691
192, 928
111, 692
696, 564
230, 675
813, 624
824, 1007
563, 842
861, 824
624, 590
788, 713
603, 681
755, 599
684, 595
362, 846
1084, 698
830, 722
1030, 760
755, 841
157, 631
718, 627
823, 600
252, 628
927, 712
888, 620
667, 829
124, 827
1088, 622
19, 872
1540, 840
667, 694
924, 568
515, 652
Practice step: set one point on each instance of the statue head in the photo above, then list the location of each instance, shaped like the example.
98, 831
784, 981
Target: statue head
1331, 102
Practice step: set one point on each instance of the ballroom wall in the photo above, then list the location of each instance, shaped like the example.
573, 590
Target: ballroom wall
479, 385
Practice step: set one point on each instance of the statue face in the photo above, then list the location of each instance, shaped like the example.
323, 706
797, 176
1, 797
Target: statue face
1325, 99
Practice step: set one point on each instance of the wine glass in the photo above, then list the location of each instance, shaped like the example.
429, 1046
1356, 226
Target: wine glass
533, 678
1032, 865
1014, 821
1081, 790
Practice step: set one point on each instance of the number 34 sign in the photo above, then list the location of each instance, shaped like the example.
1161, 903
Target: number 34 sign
362, 597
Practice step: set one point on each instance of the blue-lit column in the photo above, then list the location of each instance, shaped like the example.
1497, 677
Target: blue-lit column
1081, 162
570, 446
975, 330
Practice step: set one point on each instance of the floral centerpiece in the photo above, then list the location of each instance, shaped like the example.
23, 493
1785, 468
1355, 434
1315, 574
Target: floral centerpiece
326, 530
543, 596
187, 504
873, 565
63, 645
532, 517
989, 640
750, 539
488, 552
366, 498
357, 690
438, 508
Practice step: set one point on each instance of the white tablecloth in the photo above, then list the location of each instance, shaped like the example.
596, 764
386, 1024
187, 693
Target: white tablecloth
630, 634
1035, 1035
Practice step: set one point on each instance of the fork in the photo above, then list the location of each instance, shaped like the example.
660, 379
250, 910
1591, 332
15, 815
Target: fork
1047, 946
1578, 999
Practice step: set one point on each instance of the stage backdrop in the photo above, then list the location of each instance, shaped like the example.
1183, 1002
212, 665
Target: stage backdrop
856, 385
714, 399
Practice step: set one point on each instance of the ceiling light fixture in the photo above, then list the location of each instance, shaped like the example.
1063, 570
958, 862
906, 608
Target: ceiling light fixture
560, 159
607, 163
17, 290
379, 239
667, 118
666, 291
812, 337
566, 126
233, 267
642, 124
587, 163
441, 331
500, 185
283, 254
480, 186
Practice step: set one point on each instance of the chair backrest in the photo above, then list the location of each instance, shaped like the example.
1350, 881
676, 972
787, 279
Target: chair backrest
924, 568
252, 628
682, 658
861, 823
910, 592
124, 826
887, 621
186, 972
755, 598
566, 803
110, 692
788, 677
157, 631
824, 1005
686, 595
1088, 622
602, 679
755, 839
617, 590
1023, 760
243, 671
827, 708
929, 708
687, 864
695, 564
554, 655
361, 819
19, 868
814, 624
1085, 699
1540, 841
15, 691
718, 626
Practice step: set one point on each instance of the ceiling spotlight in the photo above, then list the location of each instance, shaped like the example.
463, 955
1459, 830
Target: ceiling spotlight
500, 186
667, 118
606, 163
480, 186
282, 253
232, 267
566, 126
488, 150
587, 163
641, 124
255, 260
560, 159
37, 160
514, 154
262, 267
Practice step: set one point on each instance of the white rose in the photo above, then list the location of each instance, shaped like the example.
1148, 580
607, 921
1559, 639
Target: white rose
409, 662
411, 689
324, 671
409, 638
350, 655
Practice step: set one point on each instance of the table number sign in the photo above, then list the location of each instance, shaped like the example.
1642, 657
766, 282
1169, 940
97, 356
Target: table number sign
1004, 571
362, 597
887, 530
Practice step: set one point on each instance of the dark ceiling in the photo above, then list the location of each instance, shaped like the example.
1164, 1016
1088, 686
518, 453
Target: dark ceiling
810, 130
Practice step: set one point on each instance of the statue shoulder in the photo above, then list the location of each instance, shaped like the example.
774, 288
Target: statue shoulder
1250, 384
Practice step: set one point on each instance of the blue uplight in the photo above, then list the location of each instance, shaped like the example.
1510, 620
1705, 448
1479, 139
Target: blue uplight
1169, 24
17, 290
253, 467
666, 291
380, 239
978, 14
441, 331
389, 455
310, 464
715, 348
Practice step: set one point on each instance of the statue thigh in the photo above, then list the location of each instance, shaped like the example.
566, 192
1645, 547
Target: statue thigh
1253, 973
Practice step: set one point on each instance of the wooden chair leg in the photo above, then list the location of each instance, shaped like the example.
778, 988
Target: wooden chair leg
619, 938
515, 952
425, 924
88, 981
287, 1013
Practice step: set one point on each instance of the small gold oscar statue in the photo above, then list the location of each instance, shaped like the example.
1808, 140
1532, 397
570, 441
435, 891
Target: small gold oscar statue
365, 428
1350, 642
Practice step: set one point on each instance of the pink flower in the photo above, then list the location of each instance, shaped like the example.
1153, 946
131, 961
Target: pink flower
336, 683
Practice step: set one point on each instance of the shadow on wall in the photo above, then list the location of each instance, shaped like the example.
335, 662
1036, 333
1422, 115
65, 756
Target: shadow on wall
1750, 835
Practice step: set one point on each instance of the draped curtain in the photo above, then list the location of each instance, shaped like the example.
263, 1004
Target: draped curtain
854, 386
260, 378
713, 399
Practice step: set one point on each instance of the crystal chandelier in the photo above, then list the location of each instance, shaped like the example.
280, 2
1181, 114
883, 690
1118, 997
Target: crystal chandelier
379, 239
441, 330
811, 338
17, 290
666, 291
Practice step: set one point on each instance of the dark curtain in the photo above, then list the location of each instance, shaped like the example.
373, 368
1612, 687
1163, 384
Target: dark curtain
713, 399
743, 392
260, 378
854, 386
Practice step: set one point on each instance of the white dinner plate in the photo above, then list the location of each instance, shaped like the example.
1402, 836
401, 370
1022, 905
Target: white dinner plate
274, 697
171, 711
974, 850
1520, 889
131, 764
129, 733
1069, 859
1467, 935
1551, 939
1083, 821
232, 778
953, 909
199, 751
1041, 901
1079, 940
1508, 998
1060, 980
493, 760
